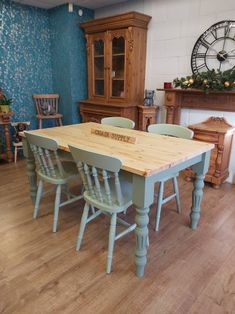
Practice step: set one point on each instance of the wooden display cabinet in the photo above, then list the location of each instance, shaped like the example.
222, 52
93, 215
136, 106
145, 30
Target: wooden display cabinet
219, 132
116, 53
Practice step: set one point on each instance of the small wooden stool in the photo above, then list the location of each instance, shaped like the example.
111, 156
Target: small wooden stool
47, 108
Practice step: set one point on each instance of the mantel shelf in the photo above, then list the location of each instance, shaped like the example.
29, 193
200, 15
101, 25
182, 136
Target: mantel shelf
177, 98
193, 90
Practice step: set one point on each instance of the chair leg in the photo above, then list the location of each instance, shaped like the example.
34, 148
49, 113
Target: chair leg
38, 199
159, 204
177, 196
57, 207
82, 226
60, 122
15, 154
66, 191
112, 233
40, 123
92, 210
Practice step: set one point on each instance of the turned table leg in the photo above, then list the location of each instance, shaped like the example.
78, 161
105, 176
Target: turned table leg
31, 169
141, 231
200, 170
143, 195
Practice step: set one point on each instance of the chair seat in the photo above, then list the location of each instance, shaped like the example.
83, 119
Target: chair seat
51, 116
126, 184
70, 171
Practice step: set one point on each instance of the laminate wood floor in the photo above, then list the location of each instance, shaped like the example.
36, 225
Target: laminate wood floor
187, 271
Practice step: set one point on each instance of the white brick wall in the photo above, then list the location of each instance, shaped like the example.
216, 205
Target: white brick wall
173, 30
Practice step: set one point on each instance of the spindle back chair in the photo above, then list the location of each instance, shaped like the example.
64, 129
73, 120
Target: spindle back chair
107, 190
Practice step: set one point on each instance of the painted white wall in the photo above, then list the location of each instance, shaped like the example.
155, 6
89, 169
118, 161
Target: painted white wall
173, 30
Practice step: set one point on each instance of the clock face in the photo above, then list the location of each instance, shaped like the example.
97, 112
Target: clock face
215, 48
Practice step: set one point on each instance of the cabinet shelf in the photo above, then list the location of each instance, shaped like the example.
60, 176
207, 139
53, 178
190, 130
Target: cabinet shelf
98, 56
99, 79
118, 54
118, 79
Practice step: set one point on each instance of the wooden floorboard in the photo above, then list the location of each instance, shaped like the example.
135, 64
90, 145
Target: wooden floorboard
187, 271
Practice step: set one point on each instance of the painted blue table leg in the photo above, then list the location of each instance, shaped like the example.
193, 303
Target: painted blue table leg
200, 171
143, 194
141, 231
31, 169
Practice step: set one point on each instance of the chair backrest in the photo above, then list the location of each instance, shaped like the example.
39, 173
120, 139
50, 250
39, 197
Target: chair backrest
96, 171
45, 153
119, 122
46, 104
19, 127
171, 130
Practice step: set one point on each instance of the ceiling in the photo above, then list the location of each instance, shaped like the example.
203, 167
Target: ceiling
48, 4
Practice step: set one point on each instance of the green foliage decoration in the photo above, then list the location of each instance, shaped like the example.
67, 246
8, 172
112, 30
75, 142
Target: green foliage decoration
211, 80
4, 101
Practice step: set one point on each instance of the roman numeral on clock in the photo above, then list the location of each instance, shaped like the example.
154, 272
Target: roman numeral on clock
200, 55
214, 33
227, 29
201, 66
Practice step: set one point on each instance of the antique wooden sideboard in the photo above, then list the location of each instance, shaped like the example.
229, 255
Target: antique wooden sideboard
219, 132
214, 130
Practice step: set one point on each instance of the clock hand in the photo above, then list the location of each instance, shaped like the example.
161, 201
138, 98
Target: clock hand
231, 51
222, 55
218, 53
226, 53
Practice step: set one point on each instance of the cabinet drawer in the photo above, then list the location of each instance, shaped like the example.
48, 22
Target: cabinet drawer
206, 137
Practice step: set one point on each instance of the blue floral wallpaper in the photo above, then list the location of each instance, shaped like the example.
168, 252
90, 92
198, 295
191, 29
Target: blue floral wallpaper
42, 51
26, 56
69, 59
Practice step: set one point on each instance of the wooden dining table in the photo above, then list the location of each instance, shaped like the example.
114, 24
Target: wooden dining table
148, 157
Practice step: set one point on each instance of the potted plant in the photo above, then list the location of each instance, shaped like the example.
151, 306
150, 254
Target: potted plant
5, 104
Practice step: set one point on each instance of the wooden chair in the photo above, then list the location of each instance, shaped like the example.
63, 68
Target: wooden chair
176, 131
107, 191
52, 170
47, 108
119, 122
17, 143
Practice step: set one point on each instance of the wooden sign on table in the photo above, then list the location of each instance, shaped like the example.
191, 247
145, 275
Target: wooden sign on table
115, 136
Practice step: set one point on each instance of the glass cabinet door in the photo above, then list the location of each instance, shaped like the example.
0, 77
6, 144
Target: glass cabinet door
118, 66
98, 67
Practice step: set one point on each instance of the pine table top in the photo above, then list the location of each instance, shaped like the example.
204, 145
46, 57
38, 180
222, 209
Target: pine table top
146, 155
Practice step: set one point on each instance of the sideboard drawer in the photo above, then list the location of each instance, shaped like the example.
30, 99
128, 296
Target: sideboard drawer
206, 137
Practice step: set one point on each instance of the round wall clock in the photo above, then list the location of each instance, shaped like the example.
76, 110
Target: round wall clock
215, 48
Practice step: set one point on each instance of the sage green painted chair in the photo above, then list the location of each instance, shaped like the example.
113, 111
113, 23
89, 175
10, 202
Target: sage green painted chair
51, 169
119, 122
107, 190
175, 131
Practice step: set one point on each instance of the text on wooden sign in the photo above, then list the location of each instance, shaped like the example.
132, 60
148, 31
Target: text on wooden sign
115, 136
